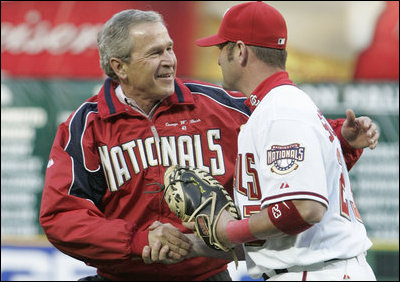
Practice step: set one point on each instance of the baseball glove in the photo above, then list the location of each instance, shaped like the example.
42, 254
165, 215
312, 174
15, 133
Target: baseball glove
194, 194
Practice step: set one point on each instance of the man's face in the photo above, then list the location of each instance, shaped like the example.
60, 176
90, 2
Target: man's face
152, 69
230, 72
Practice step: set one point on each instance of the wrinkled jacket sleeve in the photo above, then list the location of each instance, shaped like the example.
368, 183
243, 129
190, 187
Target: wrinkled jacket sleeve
74, 223
350, 154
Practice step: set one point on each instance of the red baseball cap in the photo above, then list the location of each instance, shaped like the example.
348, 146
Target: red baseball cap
254, 23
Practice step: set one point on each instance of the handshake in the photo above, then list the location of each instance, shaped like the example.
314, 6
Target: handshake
199, 200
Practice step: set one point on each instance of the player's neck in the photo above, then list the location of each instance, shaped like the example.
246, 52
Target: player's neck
255, 74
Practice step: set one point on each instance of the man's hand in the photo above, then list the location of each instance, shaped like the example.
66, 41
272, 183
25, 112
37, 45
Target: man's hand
166, 244
160, 254
360, 132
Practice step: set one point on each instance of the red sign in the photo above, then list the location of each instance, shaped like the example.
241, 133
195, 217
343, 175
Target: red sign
380, 61
58, 38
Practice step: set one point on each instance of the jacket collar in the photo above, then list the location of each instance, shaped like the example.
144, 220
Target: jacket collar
109, 105
275, 80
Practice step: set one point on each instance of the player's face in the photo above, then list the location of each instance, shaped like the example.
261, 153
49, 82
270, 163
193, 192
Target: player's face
152, 68
230, 72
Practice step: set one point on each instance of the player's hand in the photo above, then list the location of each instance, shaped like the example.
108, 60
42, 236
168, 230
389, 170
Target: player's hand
167, 235
360, 132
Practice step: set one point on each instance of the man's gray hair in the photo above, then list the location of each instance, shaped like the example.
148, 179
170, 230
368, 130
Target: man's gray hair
114, 40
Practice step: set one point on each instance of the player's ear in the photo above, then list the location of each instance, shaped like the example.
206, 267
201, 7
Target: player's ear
243, 52
119, 67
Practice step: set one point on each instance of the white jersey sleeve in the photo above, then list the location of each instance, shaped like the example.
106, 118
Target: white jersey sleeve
290, 169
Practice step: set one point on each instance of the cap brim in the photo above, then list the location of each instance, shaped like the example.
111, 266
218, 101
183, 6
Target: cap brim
210, 41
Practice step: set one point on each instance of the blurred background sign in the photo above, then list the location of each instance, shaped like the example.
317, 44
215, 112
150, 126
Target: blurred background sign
343, 54
53, 39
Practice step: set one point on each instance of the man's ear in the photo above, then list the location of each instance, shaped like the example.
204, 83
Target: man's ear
243, 52
119, 67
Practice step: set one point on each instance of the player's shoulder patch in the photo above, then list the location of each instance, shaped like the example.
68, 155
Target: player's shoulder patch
284, 159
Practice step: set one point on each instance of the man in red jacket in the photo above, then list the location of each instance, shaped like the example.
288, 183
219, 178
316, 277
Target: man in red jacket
101, 203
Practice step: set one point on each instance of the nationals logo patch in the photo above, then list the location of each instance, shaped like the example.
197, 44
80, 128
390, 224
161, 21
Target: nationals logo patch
284, 158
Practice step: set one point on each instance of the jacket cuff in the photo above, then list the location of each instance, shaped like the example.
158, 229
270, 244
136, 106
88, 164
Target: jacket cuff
139, 240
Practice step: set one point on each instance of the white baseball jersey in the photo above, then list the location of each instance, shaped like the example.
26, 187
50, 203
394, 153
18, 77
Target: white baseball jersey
286, 151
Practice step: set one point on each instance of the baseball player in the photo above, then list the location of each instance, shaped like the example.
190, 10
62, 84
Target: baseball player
101, 203
299, 217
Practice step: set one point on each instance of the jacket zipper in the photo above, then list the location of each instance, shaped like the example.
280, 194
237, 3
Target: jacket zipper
157, 142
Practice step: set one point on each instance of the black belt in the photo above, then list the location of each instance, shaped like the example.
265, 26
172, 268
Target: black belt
277, 271
285, 270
